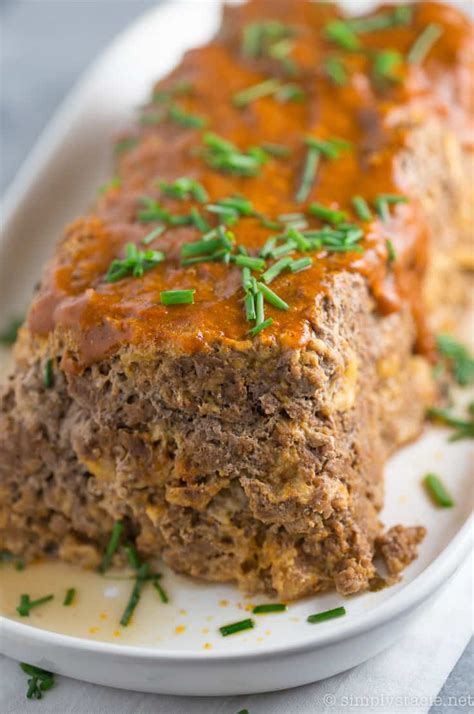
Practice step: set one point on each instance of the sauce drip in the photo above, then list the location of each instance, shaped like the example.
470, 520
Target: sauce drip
99, 317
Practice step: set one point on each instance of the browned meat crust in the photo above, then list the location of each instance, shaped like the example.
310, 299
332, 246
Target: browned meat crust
398, 547
261, 461
266, 471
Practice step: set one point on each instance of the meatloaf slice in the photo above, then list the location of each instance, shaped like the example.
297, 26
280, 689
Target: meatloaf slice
250, 457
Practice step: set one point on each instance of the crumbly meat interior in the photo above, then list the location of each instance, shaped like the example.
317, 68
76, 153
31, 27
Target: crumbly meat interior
254, 461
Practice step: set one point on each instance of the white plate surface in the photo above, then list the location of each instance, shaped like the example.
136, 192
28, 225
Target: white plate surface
176, 648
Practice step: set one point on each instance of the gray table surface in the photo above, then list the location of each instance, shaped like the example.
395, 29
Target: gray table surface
44, 47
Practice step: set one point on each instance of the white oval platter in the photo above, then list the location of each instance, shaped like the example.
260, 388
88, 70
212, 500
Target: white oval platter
176, 648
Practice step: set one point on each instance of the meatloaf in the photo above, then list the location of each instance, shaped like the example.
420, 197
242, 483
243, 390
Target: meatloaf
302, 183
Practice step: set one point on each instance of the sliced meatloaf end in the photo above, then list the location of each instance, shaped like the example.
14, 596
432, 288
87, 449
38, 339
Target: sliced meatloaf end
254, 459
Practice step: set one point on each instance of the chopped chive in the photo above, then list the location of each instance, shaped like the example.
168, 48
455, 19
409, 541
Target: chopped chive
228, 215
327, 214
298, 225
223, 155
9, 334
35, 671
257, 91
297, 221
294, 235
240, 204
150, 576
280, 51
271, 225
329, 148
206, 245
423, 43
274, 270
290, 92
464, 427
243, 711
161, 592
285, 249
132, 555
309, 174
23, 607
198, 220
268, 246
218, 256
352, 233
272, 297
136, 594
182, 86
282, 48
290, 217
343, 248
289, 66
155, 233
261, 326
199, 192
246, 278
446, 417
7, 557
180, 220
437, 371
277, 150
361, 207
152, 211
296, 265
69, 597
385, 66
112, 546
270, 607
249, 262
177, 297
209, 244
249, 302
135, 263
234, 627
124, 145
252, 40
391, 252
33, 691
259, 308
460, 361
340, 239
437, 491
340, 32
327, 615
41, 680
150, 119
384, 200
48, 374
183, 188
115, 182
161, 95
189, 121
401, 15
26, 604
336, 70
258, 36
